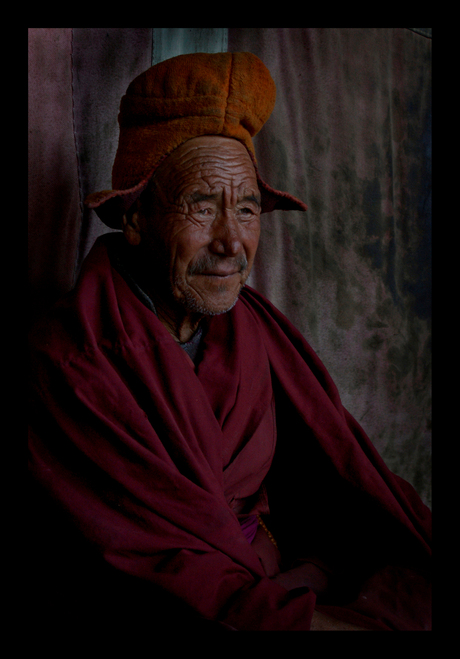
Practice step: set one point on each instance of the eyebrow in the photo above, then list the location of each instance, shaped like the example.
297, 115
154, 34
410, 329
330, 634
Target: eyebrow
200, 196
257, 200
196, 197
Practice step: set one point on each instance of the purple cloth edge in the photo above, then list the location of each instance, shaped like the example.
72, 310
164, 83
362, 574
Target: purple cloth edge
249, 527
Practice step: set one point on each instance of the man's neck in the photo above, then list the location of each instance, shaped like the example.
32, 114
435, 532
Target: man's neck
180, 324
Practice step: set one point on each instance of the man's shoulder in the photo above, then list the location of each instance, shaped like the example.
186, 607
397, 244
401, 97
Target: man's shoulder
265, 310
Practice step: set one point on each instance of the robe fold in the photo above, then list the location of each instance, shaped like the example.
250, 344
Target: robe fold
154, 462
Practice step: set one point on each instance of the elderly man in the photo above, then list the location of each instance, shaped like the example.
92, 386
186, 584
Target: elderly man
187, 434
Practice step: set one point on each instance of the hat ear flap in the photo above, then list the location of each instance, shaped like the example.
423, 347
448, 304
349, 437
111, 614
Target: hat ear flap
272, 199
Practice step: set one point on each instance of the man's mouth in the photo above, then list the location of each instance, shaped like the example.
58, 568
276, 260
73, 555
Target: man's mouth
213, 267
219, 273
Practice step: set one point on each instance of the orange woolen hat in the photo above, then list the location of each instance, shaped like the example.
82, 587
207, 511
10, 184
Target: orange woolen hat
227, 94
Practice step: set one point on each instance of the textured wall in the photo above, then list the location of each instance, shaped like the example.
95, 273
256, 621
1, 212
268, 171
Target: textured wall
350, 135
76, 79
54, 203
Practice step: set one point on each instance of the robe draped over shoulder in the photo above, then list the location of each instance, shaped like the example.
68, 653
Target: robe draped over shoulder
153, 462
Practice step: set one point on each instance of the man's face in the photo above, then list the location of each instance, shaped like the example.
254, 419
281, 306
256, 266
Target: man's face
202, 231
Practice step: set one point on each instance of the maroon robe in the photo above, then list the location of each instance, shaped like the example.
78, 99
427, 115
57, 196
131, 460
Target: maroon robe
155, 461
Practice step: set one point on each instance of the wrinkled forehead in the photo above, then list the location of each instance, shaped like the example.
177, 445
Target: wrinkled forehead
206, 164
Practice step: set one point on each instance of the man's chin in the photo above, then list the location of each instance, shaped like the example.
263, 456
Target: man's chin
209, 305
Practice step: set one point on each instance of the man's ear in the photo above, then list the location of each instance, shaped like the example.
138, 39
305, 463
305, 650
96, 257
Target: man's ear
131, 227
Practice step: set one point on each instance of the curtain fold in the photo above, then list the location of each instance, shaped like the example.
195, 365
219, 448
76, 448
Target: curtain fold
53, 185
351, 136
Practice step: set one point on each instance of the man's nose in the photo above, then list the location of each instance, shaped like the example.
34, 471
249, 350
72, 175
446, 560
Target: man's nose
226, 239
